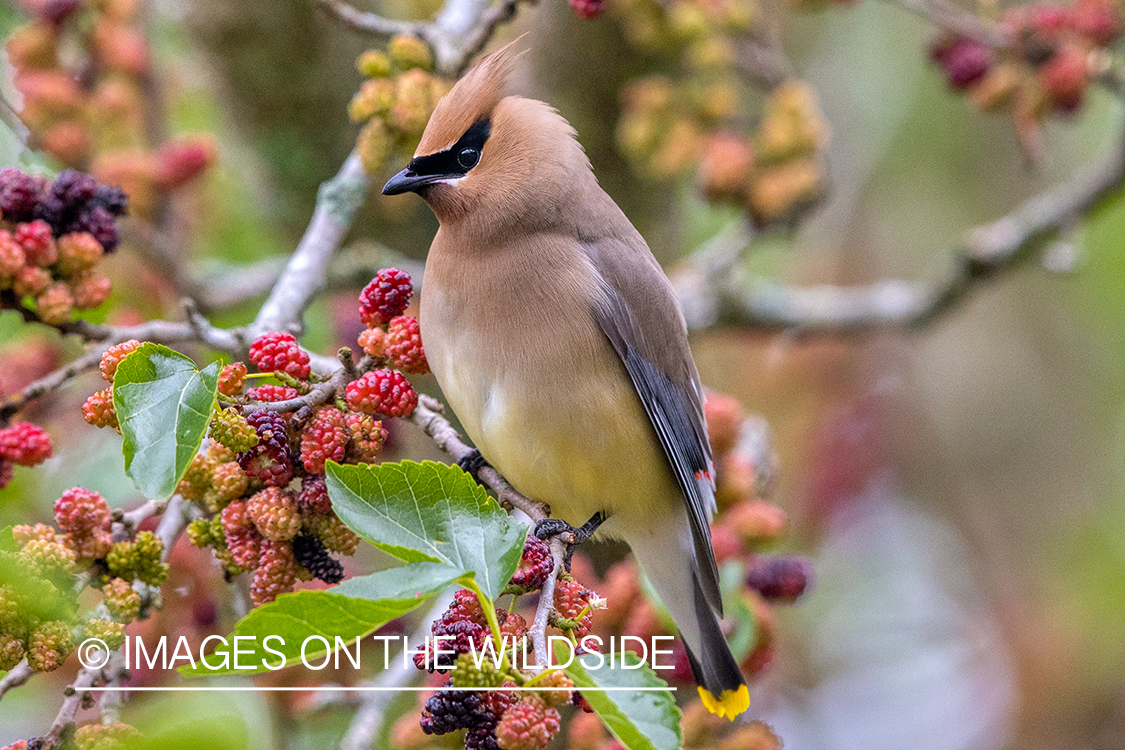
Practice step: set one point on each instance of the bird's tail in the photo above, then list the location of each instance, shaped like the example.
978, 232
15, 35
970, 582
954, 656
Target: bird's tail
666, 555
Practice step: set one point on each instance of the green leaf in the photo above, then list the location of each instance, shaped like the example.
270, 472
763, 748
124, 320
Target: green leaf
429, 512
163, 404
354, 609
641, 719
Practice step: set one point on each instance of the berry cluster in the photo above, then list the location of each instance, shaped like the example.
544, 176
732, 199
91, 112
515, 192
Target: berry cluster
54, 235
777, 171
82, 69
257, 518
98, 409
393, 339
1046, 70
39, 617
255, 521
22, 444
395, 102
500, 719
667, 126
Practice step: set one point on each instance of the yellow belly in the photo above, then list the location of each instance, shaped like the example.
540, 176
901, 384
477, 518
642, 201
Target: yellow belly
592, 450
568, 432
537, 386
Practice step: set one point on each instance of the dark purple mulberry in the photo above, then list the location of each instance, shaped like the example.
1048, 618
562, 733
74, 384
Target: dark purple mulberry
271, 460
112, 198
20, 194
100, 223
450, 710
313, 557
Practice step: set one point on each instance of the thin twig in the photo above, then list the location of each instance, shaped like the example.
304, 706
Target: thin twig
76, 694
962, 22
546, 605
17, 676
368, 23
159, 331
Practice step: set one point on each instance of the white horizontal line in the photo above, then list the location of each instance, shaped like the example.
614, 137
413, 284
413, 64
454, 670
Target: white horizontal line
365, 689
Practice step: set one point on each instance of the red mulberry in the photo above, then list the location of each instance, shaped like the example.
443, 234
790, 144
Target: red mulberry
38, 243
534, 568
113, 357
271, 393
404, 345
382, 392
280, 352
324, 439
233, 379
528, 725
99, 411
25, 444
367, 436
386, 297
276, 573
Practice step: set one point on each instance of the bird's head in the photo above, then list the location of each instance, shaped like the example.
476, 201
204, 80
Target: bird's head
492, 159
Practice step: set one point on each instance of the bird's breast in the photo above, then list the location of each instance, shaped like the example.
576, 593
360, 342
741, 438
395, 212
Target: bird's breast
537, 386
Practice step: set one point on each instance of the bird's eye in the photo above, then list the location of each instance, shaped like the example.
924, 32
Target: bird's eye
468, 158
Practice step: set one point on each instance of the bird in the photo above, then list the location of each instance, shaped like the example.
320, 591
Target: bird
559, 343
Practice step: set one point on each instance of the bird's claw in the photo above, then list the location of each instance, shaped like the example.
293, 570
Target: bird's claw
549, 528
471, 463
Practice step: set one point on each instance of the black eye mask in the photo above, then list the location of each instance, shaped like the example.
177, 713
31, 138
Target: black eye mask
459, 158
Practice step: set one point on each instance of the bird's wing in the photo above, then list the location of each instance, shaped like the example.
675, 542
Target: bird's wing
642, 319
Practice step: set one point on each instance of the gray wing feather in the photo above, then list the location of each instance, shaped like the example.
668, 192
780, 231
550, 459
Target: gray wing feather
642, 319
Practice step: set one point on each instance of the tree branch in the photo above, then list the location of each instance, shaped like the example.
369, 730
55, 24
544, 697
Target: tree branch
159, 331
460, 30
17, 676
337, 203
712, 298
75, 695
368, 23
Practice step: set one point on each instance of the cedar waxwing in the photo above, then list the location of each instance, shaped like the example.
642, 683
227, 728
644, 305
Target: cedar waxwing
560, 345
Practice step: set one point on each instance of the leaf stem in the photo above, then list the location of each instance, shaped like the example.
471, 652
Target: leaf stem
489, 613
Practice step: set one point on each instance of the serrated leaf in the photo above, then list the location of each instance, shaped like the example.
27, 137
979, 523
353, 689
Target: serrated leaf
354, 609
640, 719
163, 404
429, 512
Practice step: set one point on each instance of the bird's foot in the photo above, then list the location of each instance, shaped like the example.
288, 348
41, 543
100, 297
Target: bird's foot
472, 463
549, 528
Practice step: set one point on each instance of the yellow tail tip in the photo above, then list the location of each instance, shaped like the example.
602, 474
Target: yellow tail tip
730, 703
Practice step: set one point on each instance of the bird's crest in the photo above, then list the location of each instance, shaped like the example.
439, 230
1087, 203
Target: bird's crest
472, 98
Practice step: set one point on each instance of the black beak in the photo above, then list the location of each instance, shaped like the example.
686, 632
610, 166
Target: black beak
407, 181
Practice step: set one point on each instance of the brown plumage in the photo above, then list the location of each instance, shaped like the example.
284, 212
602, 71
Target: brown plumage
560, 345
